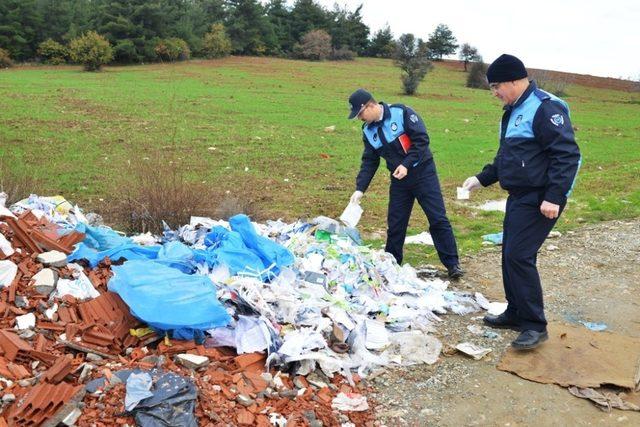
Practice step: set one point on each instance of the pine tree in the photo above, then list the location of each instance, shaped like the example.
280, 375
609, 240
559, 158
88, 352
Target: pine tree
441, 42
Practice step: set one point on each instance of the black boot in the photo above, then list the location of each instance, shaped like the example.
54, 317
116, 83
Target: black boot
501, 321
455, 272
529, 339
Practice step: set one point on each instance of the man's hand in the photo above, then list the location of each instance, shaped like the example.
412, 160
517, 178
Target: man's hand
355, 197
471, 183
550, 210
400, 172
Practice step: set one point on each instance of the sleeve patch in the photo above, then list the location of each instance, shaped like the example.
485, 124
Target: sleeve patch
557, 120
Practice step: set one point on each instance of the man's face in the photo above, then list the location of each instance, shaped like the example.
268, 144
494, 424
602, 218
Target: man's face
505, 91
369, 113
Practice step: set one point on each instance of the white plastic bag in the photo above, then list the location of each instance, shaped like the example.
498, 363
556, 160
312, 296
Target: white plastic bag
351, 215
8, 272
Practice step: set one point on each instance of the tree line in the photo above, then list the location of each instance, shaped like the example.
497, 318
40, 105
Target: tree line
141, 31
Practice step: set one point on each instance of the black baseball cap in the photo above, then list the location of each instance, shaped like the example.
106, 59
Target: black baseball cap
357, 100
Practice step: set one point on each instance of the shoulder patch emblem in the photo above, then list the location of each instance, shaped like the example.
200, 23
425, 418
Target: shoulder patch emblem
557, 120
375, 136
413, 118
518, 120
394, 127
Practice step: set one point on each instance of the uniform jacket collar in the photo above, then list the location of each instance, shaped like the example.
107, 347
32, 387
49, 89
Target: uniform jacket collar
527, 92
385, 115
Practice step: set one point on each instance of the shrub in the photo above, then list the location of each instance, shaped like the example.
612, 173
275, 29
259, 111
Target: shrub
546, 81
477, 77
52, 52
343, 54
17, 182
216, 43
172, 49
315, 45
412, 58
125, 52
154, 191
5, 59
91, 50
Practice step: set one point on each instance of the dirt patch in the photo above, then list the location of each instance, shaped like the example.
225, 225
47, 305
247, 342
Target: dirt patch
591, 277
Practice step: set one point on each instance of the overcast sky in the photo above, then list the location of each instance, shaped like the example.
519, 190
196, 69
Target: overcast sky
600, 37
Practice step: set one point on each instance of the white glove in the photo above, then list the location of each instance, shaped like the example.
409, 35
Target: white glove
355, 197
471, 183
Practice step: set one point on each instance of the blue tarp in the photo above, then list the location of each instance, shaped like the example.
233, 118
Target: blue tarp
173, 254
167, 299
244, 251
101, 238
241, 249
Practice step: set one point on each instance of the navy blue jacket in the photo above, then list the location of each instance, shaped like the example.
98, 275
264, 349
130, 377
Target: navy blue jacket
381, 140
537, 150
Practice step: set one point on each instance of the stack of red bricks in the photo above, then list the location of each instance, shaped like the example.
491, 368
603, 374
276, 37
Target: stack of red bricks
43, 369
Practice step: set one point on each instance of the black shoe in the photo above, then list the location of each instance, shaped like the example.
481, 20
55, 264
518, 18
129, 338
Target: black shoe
529, 339
501, 322
455, 272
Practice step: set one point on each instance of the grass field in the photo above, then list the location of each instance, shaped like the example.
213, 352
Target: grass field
83, 133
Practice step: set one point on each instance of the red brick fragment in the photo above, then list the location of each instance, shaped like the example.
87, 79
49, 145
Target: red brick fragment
60, 369
245, 418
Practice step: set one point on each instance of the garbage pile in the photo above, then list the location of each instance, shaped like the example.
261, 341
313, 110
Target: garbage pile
213, 323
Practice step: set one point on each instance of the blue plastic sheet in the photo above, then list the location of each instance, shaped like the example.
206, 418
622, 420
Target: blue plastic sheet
172, 254
246, 252
496, 238
129, 251
101, 238
167, 299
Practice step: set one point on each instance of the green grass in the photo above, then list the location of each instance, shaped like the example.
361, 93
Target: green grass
81, 133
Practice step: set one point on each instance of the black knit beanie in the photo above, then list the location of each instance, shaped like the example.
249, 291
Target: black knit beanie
506, 68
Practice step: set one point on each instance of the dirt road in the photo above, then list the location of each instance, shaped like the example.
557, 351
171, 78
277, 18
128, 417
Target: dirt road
593, 276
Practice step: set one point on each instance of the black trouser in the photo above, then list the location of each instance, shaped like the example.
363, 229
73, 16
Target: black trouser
421, 183
525, 230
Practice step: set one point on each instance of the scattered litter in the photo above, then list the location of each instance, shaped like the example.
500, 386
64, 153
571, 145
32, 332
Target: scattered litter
609, 398
494, 205
462, 193
475, 329
350, 402
552, 248
594, 326
79, 286
26, 321
8, 272
330, 129
6, 249
172, 403
423, 238
598, 327
473, 350
493, 308
138, 386
554, 234
495, 239
351, 215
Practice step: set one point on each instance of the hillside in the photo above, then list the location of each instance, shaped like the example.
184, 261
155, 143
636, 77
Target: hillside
252, 132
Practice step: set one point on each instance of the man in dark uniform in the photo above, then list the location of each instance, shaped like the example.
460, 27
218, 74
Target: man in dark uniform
398, 134
537, 163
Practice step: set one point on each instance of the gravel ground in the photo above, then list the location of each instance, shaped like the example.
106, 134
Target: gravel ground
591, 274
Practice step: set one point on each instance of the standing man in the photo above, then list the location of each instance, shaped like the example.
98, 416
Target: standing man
397, 134
537, 163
